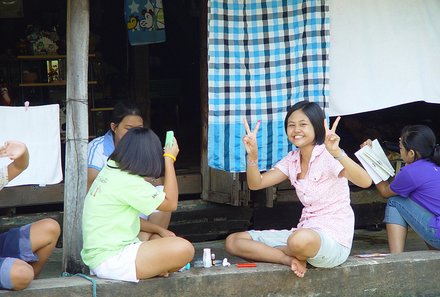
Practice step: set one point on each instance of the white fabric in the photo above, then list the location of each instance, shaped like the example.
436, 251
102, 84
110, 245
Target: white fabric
383, 53
3, 176
121, 266
39, 128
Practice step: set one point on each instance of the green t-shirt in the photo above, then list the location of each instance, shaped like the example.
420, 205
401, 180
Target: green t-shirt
110, 219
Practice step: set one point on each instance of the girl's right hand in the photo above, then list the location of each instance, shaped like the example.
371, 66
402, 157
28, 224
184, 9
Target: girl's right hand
366, 142
173, 150
250, 139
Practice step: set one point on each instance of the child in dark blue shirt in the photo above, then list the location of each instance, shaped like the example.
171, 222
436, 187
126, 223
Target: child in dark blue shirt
23, 250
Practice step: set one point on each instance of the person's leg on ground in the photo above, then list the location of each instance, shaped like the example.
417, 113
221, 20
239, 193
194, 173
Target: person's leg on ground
396, 226
301, 245
43, 237
163, 255
242, 244
15, 274
396, 235
415, 216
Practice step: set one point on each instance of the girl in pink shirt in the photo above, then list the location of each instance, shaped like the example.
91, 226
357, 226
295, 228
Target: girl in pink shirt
319, 170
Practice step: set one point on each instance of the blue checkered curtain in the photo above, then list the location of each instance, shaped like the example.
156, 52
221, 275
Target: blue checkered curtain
263, 56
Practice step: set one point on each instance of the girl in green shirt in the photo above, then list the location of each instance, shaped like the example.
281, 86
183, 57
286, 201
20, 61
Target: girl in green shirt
111, 211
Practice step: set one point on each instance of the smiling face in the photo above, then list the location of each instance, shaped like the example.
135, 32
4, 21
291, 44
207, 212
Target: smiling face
300, 130
128, 122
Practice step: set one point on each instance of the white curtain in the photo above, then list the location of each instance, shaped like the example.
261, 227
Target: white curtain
383, 53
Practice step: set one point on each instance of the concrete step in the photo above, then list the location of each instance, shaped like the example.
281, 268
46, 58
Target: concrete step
412, 273
406, 274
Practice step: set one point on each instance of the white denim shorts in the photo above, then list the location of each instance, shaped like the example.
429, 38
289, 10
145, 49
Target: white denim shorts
121, 266
330, 254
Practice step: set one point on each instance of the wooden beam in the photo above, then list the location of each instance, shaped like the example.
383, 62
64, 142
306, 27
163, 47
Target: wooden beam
77, 37
139, 80
204, 169
189, 183
31, 195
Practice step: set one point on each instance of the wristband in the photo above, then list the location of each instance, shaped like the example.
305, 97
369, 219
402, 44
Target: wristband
170, 156
252, 162
343, 154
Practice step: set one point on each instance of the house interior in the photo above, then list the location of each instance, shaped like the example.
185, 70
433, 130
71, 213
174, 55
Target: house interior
173, 67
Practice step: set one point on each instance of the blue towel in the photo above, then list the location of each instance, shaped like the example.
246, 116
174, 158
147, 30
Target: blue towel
263, 57
145, 21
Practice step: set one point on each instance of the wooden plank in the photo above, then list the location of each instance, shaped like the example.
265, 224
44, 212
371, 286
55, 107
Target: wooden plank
60, 83
217, 197
284, 215
31, 195
198, 220
190, 183
210, 227
7, 223
197, 232
102, 109
286, 196
270, 196
46, 57
36, 195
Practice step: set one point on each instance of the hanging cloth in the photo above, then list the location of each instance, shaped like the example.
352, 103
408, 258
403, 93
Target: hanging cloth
144, 21
383, 54
263, 56
39, 128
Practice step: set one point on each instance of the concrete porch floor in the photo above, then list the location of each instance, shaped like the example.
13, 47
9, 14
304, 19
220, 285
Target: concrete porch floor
409, 274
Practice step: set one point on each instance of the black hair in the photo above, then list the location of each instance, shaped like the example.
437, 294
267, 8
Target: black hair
140, 152
421, 139
123, 109
314, 113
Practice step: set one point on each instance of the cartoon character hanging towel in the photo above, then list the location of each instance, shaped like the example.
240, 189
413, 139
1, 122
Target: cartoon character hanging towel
145, 21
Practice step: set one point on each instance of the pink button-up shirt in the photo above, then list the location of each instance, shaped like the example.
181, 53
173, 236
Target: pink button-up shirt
325, 196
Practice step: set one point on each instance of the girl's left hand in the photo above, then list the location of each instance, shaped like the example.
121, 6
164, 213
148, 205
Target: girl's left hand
332, 139
173, 150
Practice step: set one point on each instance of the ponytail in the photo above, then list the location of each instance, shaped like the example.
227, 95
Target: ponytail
421, 139
435, 157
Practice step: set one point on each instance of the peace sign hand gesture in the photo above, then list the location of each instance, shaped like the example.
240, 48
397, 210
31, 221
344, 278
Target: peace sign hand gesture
332, 139
250, 140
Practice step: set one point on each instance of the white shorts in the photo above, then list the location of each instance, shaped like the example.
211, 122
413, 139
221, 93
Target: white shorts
121, 266
145, 217
330, 254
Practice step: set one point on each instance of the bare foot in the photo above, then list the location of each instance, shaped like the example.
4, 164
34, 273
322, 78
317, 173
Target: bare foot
299, 267
165, 274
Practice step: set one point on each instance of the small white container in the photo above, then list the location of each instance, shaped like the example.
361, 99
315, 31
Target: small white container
207, 261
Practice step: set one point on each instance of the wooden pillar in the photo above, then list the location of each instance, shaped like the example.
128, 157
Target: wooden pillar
139, 79
75, 180
204, 169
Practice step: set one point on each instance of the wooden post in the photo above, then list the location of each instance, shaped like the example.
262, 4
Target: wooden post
204, 169
75, 180
139, 80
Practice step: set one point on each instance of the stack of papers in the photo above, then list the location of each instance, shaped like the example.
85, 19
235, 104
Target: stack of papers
375, 162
